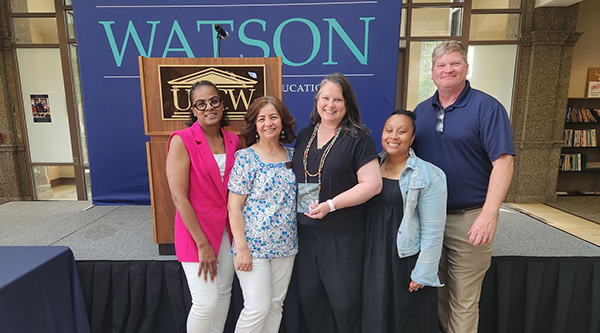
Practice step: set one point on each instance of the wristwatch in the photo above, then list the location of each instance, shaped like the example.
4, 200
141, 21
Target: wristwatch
331, 206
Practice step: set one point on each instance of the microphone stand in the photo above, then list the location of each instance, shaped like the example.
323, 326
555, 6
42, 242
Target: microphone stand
221, 34
218, 46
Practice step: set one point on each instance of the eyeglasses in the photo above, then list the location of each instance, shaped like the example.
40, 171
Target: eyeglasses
440, 125
214, 101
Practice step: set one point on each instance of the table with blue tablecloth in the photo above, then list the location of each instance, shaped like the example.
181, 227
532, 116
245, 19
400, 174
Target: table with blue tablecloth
40, 290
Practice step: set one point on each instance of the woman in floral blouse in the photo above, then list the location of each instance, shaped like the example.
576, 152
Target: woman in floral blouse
262, 214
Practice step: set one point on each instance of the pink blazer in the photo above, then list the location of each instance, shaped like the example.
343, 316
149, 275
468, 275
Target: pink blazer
207, 193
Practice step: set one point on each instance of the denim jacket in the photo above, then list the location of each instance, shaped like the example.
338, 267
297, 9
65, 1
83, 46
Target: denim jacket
424, 196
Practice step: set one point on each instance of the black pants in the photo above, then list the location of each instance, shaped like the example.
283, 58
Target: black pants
329, 270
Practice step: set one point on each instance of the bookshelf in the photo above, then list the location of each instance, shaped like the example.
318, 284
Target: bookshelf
579, 168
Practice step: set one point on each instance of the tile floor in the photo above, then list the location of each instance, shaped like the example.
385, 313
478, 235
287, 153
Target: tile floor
64, 192
572, 224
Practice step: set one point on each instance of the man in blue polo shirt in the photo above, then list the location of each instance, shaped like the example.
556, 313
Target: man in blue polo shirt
467, 134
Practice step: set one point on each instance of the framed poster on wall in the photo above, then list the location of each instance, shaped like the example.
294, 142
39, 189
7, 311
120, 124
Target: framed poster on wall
592, 87
40, 109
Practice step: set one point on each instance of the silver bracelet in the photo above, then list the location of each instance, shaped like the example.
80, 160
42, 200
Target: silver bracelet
331, 206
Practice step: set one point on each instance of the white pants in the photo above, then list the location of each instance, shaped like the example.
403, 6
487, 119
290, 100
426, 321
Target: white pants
264, 289
210, 300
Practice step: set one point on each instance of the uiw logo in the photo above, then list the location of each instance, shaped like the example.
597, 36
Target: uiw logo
238, 86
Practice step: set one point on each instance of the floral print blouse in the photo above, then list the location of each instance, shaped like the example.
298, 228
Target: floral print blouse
270, 208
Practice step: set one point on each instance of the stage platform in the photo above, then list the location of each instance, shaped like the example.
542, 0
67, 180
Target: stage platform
125, 232
542, 279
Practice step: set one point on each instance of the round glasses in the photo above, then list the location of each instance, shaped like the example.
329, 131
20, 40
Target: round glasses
201, 104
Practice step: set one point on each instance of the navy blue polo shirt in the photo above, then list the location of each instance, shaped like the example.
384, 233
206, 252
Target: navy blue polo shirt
476, 132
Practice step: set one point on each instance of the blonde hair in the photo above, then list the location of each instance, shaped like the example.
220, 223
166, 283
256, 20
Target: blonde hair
448, 47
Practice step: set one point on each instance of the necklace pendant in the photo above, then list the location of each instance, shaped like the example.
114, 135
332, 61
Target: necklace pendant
323, 157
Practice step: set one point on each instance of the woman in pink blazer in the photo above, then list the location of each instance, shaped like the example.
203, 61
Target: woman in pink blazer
199, 161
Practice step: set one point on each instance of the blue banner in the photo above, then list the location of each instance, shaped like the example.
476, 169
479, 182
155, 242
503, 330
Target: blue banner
356, 38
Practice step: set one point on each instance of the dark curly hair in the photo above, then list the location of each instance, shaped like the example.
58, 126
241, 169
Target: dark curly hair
287, 120
409, 114
224, 122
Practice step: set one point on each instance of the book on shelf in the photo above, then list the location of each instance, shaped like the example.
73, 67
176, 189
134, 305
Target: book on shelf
579, 138
573, 162
577, 114
593, 165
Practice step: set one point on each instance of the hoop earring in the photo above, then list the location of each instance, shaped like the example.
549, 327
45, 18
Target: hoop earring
282, 135
257, 137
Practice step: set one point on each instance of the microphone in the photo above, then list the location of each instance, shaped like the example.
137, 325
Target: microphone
221, 33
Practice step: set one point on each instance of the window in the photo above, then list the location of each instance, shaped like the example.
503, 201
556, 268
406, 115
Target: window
36, 30
494, 27
489, 28
436, 22
45, 48
25, 6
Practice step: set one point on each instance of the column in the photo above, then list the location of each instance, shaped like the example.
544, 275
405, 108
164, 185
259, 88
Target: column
548, 38
15, 171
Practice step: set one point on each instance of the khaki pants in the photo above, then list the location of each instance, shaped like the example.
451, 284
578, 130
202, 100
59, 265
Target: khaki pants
462, 269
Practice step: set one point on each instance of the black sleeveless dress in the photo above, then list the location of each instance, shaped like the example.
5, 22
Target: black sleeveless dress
387, 305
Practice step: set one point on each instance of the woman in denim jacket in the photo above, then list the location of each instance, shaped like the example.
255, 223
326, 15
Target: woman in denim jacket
405, 228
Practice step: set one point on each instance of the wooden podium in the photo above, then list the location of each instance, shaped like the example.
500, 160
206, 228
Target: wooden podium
165, 84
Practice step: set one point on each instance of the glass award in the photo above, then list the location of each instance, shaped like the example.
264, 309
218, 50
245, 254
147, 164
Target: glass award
307, 193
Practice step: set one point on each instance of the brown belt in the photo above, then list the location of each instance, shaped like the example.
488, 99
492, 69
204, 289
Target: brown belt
462, 210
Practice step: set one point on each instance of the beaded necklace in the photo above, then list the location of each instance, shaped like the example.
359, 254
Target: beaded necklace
325, 153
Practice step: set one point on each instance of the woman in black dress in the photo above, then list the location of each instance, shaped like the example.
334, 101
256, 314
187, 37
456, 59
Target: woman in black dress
337, 172
405, 227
